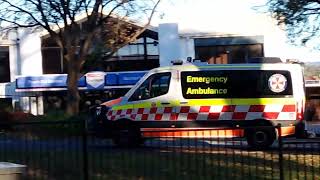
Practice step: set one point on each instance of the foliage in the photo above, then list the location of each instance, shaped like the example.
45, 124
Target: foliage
5, 106
53, 123
301, 19
52, 116
74, 25
312, 70
95, 60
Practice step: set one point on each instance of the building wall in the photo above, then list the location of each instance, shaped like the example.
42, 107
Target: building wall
187, 48
169, 43
30, 49
25, 59
176, 45
25, 53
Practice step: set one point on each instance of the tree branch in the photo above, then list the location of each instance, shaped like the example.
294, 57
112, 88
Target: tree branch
95, 10
24, 11
18, 24
102, 19
137, 33
66, 11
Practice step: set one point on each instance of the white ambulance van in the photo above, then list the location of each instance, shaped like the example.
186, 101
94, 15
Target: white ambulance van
184, 98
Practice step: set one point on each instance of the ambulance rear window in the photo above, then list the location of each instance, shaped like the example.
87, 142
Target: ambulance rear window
236, 84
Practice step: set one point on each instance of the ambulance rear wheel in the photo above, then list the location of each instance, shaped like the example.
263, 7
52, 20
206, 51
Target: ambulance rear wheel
260, 138
127, 137
300, 131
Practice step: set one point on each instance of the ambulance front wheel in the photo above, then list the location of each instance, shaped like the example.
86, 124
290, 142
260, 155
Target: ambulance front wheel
260, 138
127, 137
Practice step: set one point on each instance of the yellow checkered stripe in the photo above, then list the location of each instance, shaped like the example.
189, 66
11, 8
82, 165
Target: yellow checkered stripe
208, 102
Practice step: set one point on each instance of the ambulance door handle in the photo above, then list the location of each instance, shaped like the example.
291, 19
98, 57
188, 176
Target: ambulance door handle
165, 103
183, 102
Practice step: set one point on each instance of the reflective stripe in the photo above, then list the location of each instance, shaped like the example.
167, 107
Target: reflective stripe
118, 107
201, 133
210, 102
238, 101
112, 102
213, 112
146, 105
191, 132
264, 101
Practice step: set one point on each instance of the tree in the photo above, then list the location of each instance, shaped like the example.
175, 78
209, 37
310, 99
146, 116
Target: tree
106, 20
301, 18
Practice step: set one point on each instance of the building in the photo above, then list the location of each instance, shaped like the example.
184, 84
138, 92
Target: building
32, 71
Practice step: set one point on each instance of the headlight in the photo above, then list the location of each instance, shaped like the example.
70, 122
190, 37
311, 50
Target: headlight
101, 110
98, 110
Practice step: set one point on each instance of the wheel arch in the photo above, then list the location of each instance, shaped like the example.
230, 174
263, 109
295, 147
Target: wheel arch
260, 123
124, 123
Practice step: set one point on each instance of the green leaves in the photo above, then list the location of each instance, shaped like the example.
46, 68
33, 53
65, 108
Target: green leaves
301, 19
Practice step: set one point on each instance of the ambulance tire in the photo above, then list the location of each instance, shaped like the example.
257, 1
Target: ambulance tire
129, 136
300, 131
260, 138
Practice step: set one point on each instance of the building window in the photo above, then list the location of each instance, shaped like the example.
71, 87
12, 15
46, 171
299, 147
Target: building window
239, 49
137, 48
4, 64
52, 60
237, 53
131, 49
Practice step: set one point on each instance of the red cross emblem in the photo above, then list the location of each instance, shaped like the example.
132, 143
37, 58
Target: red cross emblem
277, 83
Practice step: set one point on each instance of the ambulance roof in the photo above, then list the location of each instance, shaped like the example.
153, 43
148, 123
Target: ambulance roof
203, 66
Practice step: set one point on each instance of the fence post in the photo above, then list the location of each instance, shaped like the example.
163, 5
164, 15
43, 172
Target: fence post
84, 150
280, 152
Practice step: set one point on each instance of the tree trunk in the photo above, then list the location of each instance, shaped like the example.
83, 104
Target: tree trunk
73, 97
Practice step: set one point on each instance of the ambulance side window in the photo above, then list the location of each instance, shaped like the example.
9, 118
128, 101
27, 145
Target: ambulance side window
154, 86
236, 84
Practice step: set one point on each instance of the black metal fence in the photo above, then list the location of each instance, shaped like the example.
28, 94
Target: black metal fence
63, 150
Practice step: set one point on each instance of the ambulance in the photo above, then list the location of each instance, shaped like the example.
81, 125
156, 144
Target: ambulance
196, 100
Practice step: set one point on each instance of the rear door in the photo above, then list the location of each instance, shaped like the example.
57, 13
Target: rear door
262, 94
